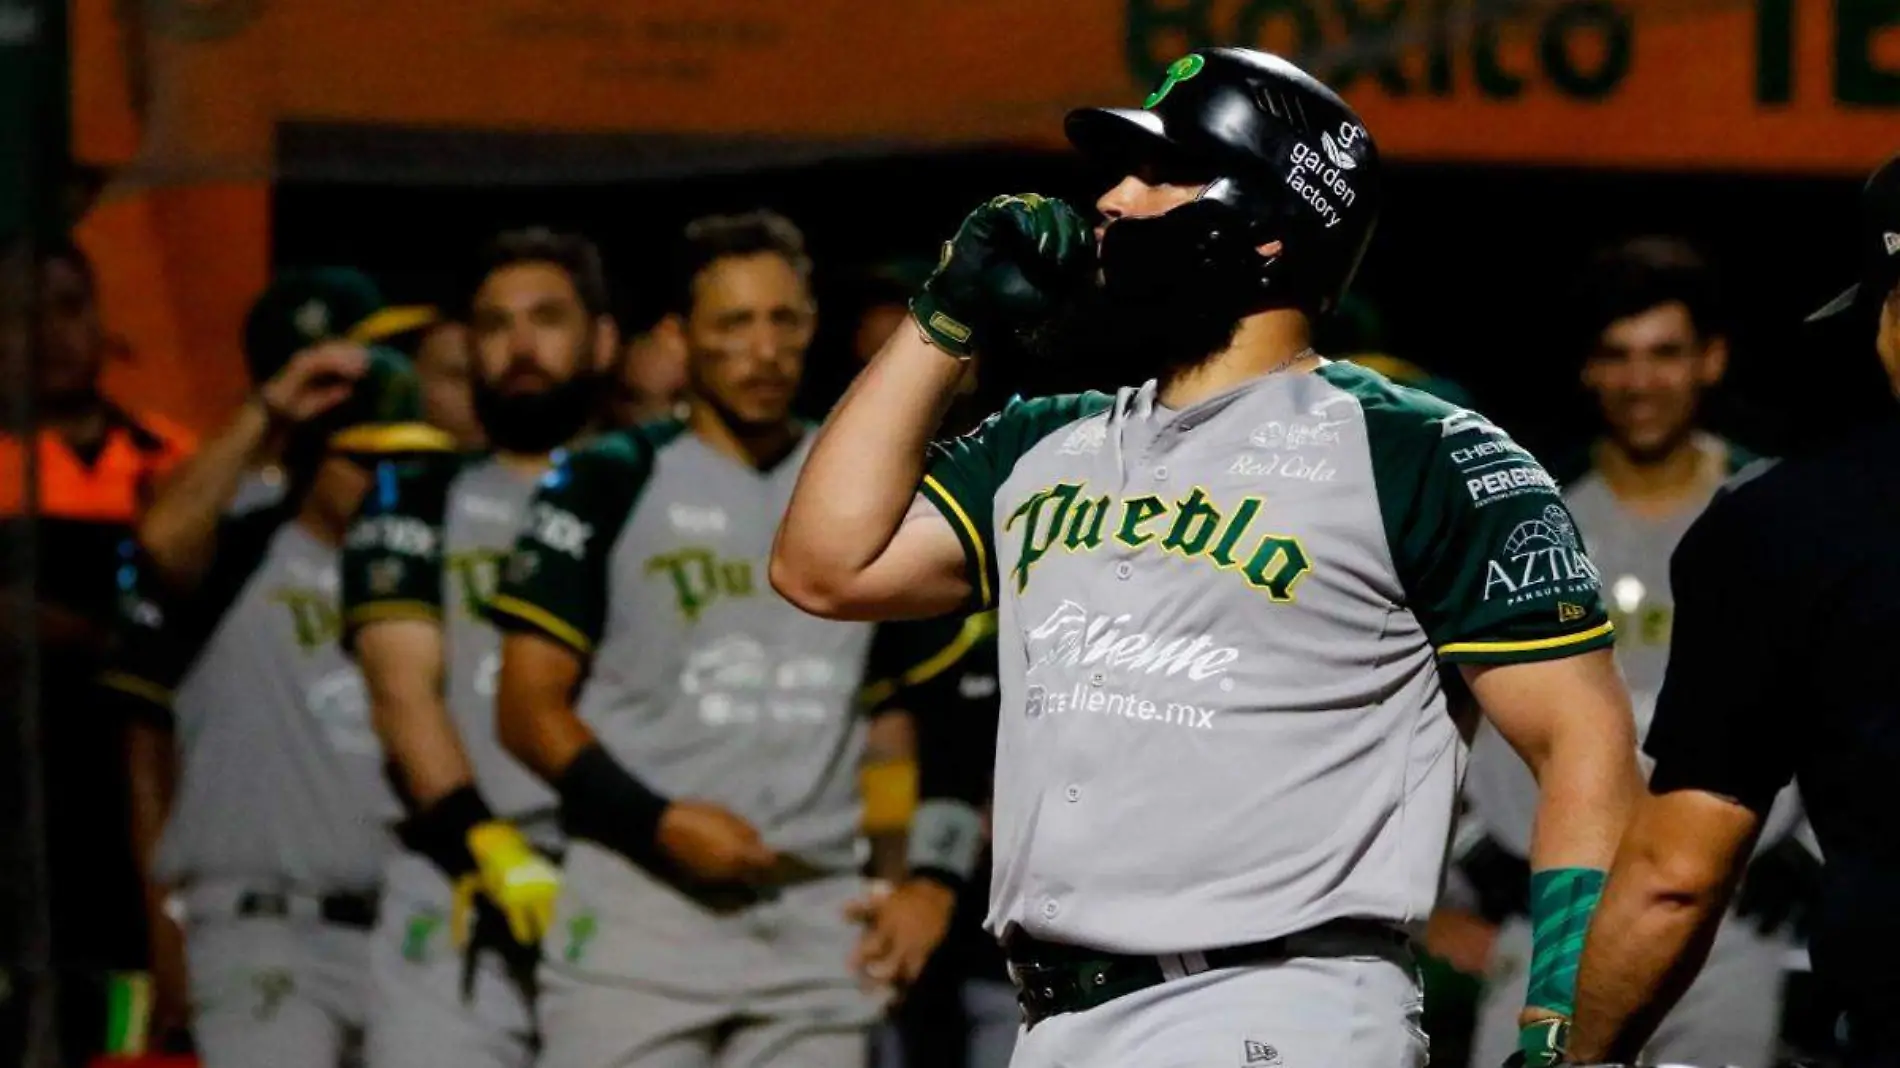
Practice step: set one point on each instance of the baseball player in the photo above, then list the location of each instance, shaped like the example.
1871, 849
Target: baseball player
454, 984
1753, 699
700, 732
1225, 772
1649, 309
251, 732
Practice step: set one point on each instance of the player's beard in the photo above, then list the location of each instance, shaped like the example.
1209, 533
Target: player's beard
1097, 341
540, 421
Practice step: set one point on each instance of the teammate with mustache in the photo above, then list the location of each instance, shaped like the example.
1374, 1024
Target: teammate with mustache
700, 732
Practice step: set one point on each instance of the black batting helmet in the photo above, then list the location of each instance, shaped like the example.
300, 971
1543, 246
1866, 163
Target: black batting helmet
1285, 160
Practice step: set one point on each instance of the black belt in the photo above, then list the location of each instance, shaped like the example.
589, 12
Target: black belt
1052, 978
344, 910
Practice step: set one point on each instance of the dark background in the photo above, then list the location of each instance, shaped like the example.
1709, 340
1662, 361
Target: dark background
1469, 266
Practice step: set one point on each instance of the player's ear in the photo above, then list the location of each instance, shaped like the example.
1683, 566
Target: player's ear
1714, 360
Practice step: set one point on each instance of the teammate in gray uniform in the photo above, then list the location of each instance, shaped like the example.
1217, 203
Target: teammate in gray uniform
700, 731
1225, 771
274, 838
1649, 310
455, 986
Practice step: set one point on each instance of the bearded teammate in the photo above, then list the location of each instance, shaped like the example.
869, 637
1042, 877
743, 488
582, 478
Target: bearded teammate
1649, 309
700, 732
1226, 772
454, 983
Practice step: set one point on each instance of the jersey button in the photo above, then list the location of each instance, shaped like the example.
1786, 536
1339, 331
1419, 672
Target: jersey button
1049, 910
1097, 679
1161, 474
1124, 569
1073, 793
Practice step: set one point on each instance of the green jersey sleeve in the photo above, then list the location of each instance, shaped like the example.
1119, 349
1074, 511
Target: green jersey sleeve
1489, 558
962, 475
555, 581
158, 632
392, 556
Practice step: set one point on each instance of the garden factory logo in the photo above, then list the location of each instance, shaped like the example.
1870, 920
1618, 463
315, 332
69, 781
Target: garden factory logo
1541, 557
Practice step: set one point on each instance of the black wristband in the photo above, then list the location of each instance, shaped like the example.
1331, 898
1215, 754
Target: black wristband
440, 832
604, 803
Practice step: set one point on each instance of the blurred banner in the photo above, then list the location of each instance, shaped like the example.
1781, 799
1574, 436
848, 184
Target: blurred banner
1757, 84
197, 105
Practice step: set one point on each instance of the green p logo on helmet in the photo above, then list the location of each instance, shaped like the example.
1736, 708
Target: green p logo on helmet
1179, 71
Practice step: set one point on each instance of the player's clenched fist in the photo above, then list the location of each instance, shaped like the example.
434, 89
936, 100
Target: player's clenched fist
711, 844
1006, 269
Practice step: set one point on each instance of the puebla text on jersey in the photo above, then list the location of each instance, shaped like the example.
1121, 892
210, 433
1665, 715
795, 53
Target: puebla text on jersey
1219, 634
645, 552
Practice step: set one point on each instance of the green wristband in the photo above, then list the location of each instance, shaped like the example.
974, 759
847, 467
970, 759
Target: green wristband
1562, 901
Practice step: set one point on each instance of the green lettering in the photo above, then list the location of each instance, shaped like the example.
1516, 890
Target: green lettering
1085, 525
1248, 29
1560, 62
313, 616
1494, 81
1135, 512
1438, 50
476, 573
1195, 521
1158, 29
735, 578
1277, 566
1373, 41
1039, 537
1774, 51
691, 570
1237, 524
1858, 79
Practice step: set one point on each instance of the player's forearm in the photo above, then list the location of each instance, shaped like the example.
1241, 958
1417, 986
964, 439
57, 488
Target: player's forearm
178, 532
420, 737
402, 668
1674, 873
150, 775
863, 471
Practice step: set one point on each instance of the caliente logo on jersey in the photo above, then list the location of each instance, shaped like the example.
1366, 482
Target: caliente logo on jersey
1195, 528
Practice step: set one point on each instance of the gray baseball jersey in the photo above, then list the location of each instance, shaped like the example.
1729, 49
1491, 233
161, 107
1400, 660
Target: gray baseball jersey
1730, 1015
1632, 553
429, 544
1220, 632
646, 551
280, 775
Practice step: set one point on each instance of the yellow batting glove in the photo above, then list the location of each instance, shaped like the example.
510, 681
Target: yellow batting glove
516, 878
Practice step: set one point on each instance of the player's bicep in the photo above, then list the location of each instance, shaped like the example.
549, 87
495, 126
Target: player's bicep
922, 573
1538, 706
534, 701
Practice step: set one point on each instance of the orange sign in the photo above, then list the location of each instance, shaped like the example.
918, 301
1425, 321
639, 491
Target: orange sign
1756, 84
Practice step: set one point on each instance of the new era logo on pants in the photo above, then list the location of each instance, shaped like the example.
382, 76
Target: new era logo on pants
1259, 1053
